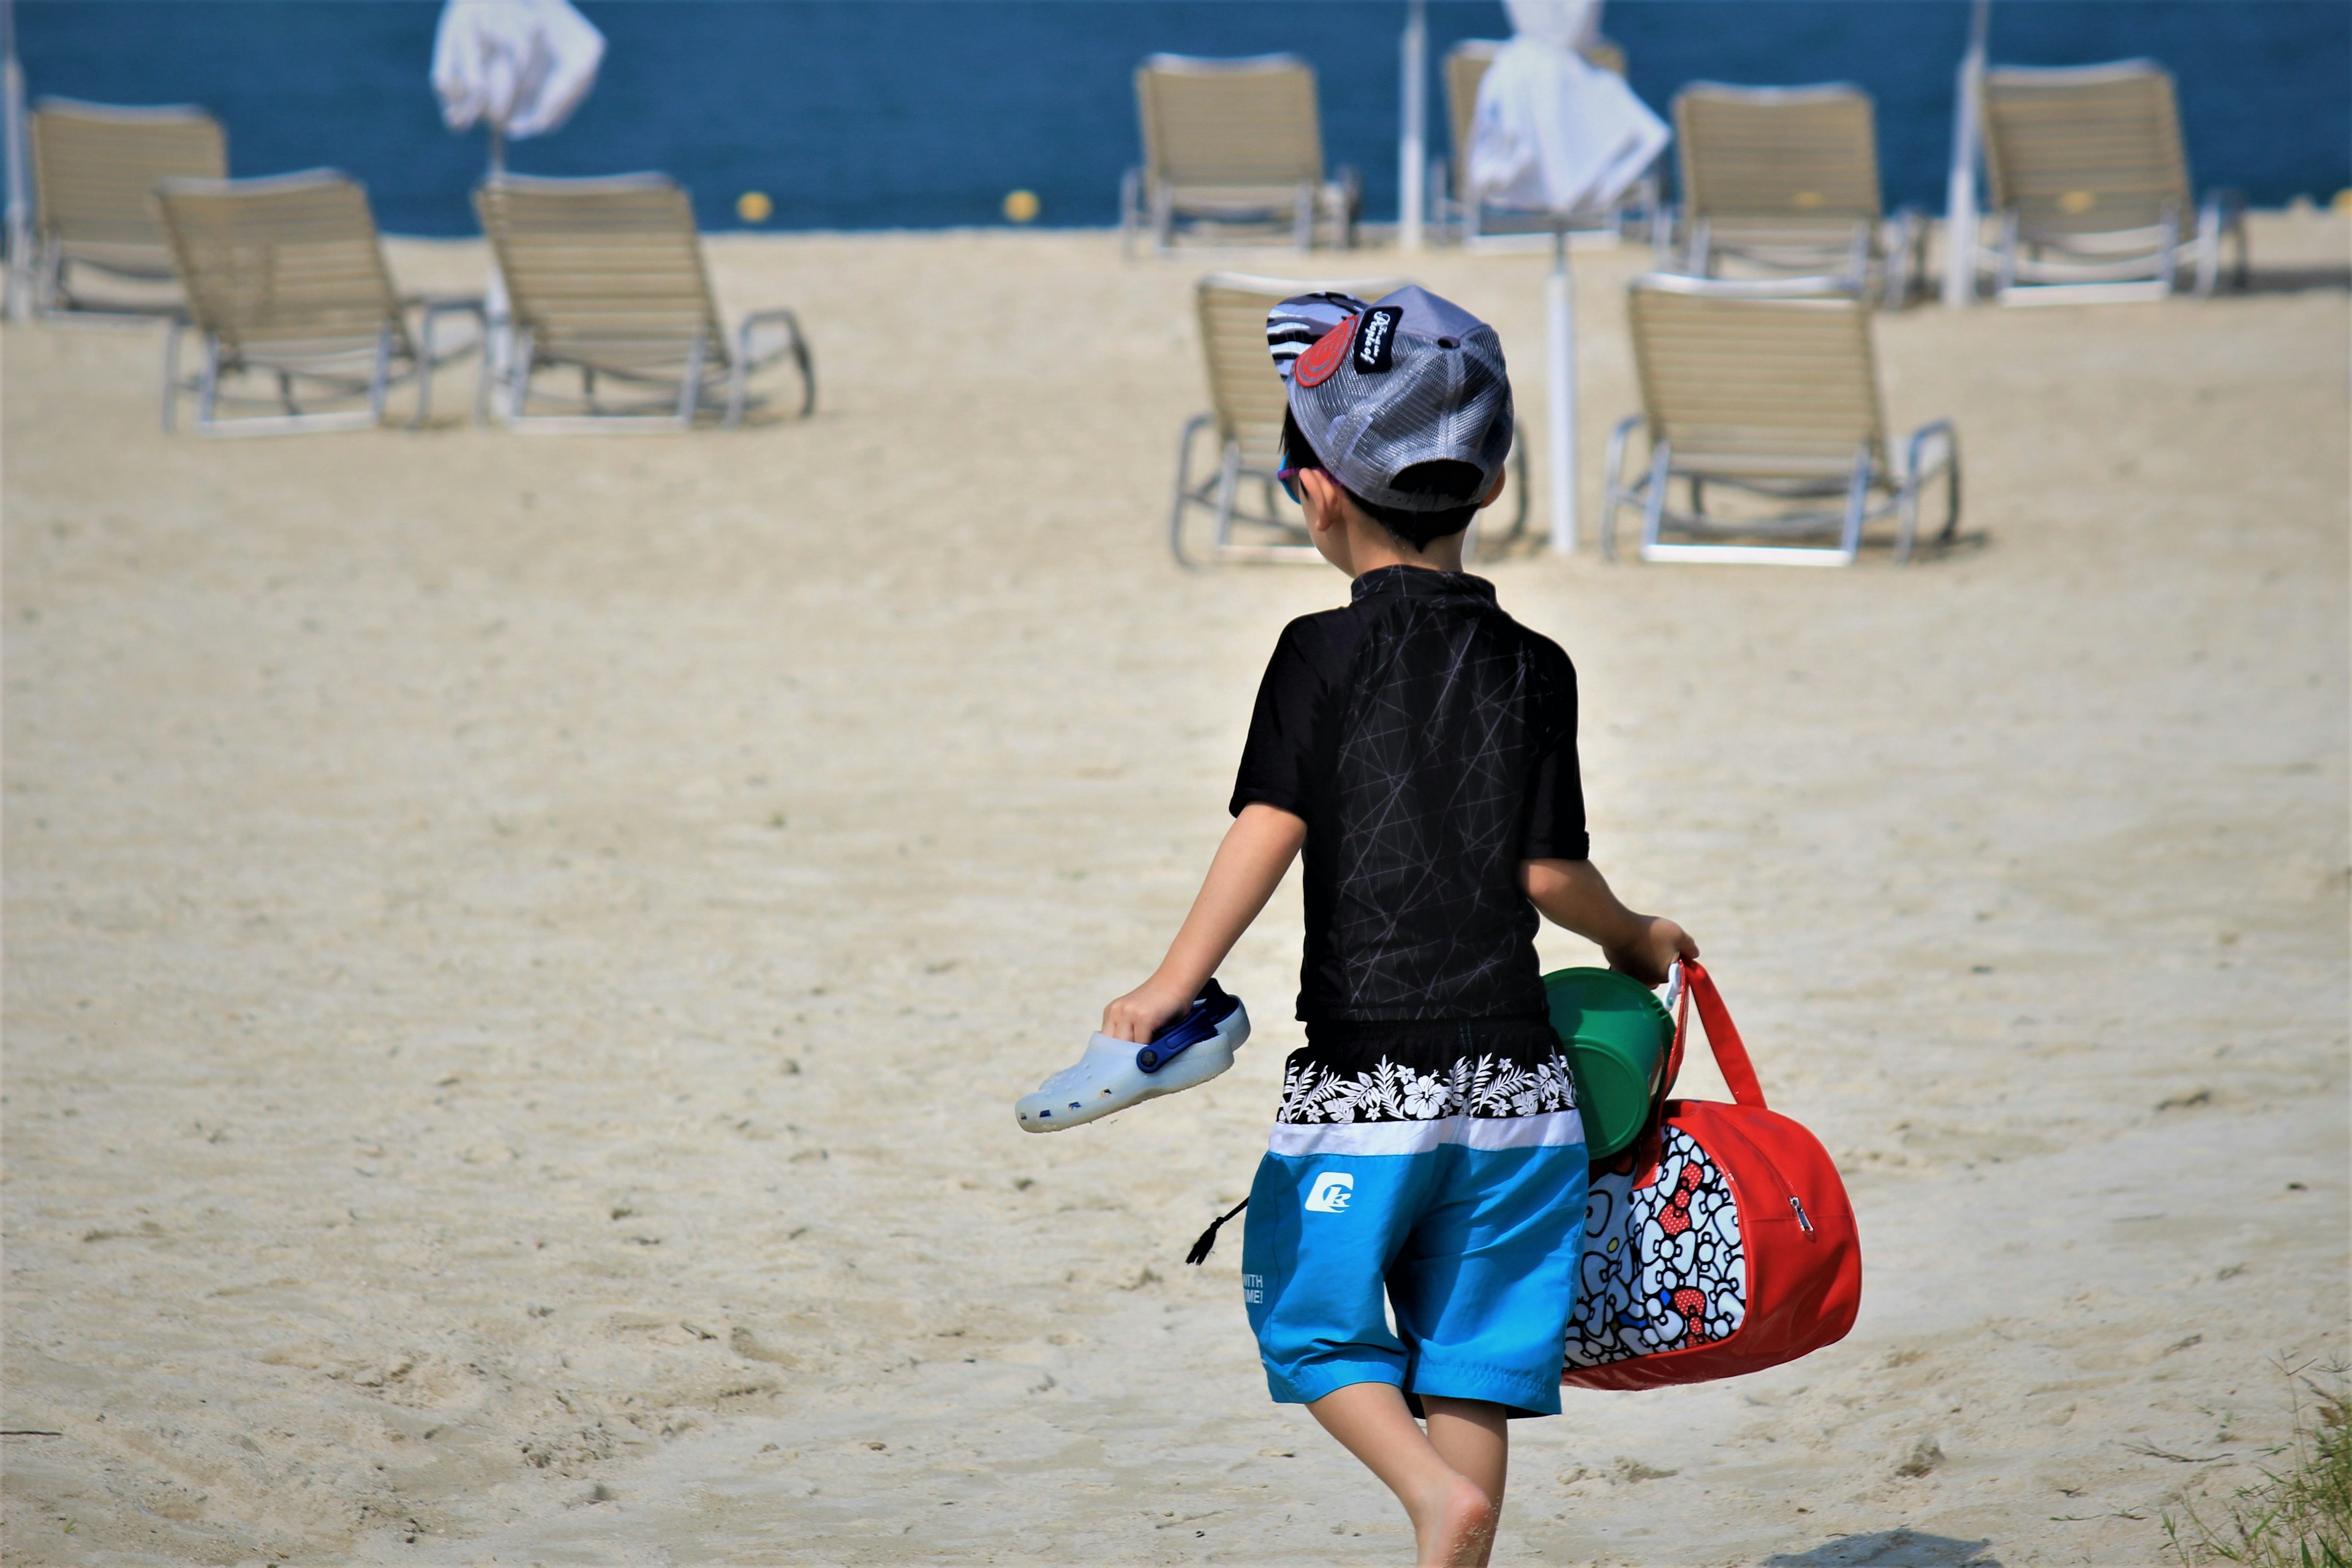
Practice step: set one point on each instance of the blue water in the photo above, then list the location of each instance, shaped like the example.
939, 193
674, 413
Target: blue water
921, 113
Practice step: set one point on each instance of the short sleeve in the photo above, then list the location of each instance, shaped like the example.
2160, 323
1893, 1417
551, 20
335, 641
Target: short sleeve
1556, 829
1278, 761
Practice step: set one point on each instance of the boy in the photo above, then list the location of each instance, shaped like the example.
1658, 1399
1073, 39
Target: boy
1419, 745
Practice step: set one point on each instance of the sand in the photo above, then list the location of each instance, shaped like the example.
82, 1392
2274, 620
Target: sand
520, 949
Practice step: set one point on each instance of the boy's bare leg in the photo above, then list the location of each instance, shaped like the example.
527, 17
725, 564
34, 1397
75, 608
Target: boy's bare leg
1453, 1517
1472, 1436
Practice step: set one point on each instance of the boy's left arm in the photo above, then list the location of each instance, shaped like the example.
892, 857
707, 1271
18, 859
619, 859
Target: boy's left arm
1258, 848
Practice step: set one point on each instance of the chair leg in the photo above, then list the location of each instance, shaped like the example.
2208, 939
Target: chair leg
1653, 515
380, 376
1612, 483
208, 388
2167, 258
1229, 477
1184, 497
2208, 247
424, 373
1857, 504
172, 372
524, 347
1302, 223
690, 393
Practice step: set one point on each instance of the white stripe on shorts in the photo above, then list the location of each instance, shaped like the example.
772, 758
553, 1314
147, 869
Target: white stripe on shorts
1551, 1129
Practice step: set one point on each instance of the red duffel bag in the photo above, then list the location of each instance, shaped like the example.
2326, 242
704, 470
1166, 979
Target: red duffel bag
1721, 1242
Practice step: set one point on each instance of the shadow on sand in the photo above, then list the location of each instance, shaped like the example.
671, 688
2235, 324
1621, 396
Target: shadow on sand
1891, 1549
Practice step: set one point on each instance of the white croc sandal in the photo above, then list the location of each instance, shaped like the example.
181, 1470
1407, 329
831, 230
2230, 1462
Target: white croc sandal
1115, 1074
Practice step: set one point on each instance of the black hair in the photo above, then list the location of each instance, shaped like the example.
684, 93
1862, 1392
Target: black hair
1455, 482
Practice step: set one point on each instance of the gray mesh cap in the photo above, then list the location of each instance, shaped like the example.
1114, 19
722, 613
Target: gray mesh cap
1409, 379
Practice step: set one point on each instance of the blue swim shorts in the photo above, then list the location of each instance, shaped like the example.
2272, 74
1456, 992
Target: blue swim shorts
1451, 1183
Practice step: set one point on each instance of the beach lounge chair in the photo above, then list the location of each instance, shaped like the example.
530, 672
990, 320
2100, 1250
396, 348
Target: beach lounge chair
1247, 398
1786, 179
2090, 186
1229, 140
285, 279
605, 276
1464, 68
1766, 389
95, 170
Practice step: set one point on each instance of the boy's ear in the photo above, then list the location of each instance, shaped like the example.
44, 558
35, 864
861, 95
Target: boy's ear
1328, 505
1494, 491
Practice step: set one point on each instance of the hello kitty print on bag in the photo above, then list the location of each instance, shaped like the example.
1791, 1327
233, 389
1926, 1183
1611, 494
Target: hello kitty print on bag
1663, 1267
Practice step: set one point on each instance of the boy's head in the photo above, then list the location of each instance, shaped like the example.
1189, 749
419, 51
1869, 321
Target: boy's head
1404, 403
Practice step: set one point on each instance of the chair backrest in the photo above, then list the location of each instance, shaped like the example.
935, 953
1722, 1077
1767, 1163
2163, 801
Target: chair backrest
1465, 67
597, 266
1246, 392
1756, 377
290, 263
95, 170
2085, 150
1230, 124
1797, 155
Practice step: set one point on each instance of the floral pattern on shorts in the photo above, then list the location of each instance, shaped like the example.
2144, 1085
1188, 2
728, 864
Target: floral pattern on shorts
1663, 1266
1484, 1086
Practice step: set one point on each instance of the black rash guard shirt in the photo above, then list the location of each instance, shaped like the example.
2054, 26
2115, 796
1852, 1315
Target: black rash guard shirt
1429, 741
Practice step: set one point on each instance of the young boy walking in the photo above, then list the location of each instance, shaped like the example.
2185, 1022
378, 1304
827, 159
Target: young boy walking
1419, 745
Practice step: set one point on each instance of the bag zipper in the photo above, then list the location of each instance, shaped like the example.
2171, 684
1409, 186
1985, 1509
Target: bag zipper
1803, 1222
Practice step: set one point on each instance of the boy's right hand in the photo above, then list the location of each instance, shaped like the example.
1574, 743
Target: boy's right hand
1145, 1011
1647, 950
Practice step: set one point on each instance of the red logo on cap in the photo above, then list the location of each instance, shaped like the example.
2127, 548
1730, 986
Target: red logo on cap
1320, 363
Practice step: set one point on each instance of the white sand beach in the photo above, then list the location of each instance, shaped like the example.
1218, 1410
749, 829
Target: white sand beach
520, 949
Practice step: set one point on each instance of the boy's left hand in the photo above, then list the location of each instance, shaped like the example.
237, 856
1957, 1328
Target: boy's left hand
1144, 1012
1655, 944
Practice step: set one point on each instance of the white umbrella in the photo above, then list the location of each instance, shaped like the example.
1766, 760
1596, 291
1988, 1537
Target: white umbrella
1555, 135
1961, 191
19, 214
520, 66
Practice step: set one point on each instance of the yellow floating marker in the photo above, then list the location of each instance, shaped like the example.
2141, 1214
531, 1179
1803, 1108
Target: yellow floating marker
2343, 201
1021, 207
753, 206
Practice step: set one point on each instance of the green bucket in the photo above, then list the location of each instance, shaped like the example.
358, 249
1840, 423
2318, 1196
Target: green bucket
1617, 1034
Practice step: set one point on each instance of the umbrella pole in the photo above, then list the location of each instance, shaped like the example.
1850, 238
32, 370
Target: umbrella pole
1961, 191
1412, 148
19, 211
1559, 364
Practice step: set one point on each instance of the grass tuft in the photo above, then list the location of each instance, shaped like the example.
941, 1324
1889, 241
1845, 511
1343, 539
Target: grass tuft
2299, 1515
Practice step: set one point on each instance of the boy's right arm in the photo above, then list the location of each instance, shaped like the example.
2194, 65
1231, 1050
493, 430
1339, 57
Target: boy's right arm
1574, 894
1258, 848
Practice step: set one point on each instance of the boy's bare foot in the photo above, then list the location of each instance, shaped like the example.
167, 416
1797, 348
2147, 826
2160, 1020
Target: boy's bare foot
1455, 1525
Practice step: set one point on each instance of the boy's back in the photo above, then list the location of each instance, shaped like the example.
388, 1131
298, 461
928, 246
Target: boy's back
1429, 743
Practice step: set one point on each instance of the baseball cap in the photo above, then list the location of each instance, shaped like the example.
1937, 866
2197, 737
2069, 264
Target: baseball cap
1410, 378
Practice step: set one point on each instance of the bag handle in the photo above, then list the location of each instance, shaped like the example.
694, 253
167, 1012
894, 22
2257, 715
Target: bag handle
1722, 1038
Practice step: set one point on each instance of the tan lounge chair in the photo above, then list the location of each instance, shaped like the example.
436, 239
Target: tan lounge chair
1769, 389
1464, 68
605, 276
1233, 140
285, 279
95, 170
1786, 179
1247, 398
2090, 185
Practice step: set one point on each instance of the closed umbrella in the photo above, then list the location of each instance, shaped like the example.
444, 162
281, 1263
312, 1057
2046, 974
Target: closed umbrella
11, 147
520, 67
1555, 135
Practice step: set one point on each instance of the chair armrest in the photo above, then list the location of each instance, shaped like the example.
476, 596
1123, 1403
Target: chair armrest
1915, 447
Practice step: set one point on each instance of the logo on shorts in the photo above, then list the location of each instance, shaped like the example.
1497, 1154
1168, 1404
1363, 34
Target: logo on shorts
1332, 1190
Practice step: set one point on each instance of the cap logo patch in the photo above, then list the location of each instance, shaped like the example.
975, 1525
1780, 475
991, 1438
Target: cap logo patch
1376, 340
1321, 362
